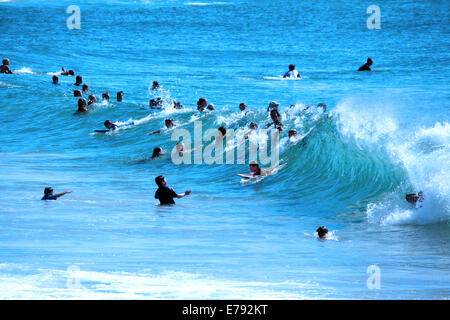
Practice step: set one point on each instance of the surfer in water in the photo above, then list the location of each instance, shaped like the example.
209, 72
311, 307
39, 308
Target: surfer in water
77, 93
366, 66
275, 116
166, 194
110, 126
4, 68
413, 198
105, 96
78, 81
202, 103
157, 153
257, 171
155, 85
168, 123
55, 79
92, 99
85, 88
322, 232
64, 72
82, 106
120, 96
48, 194
292, 73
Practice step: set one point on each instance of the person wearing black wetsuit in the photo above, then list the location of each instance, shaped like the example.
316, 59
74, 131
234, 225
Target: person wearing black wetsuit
366, 66
166, 194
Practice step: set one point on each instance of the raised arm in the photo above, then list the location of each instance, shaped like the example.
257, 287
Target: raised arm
186, 193
62, 193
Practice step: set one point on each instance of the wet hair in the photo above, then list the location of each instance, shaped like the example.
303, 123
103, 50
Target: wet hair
322, 231
170, 120
5, 61
159, 181
274, 112
77, 93
201, 102
369, 60
292, 132
119, 94
79, 80
82, 105
85, 87
55, 79
155, 85
71, 72
243, 105
157, 152
92, 99
210, 107
48, 190
107, 123
291, 67
223, 130
177, 105
105, 95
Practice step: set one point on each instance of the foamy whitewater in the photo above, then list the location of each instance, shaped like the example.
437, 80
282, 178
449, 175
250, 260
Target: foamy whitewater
384, 134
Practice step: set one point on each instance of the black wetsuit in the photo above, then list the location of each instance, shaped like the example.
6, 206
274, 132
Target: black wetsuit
364, 67
165, 195
5, 69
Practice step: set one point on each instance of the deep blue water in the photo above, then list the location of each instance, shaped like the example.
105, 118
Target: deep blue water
385, 133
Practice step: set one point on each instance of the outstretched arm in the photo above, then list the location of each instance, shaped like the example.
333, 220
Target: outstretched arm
186, 193
157, 131
62, 193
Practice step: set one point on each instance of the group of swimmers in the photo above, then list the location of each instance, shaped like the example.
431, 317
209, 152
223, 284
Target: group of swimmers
164, 193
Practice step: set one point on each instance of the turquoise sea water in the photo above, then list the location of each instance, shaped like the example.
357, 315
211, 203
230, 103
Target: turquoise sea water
385, 133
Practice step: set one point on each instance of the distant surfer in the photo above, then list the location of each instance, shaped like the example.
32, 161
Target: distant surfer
242, 106
157, 153
202, 103
92, 99
78, 80
77, 93
55, 79
164, 194
64, 72
257, 171
210, 107
168, 123
413, 198
322, 232
120, 96
156, 103
275, 116
177, 105
110, 126
292, 133
48, 194
292, 73
155, 85
82, 105
85, 88
4, 68
105, 96
366, 66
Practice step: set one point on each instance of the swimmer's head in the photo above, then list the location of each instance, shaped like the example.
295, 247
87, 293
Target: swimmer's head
322, 232
48, 191
71, 72
82, 103
78, 80
157, 152
105, 96
168, 122
292, 133
155, 85
210, 107
92, 99
254, 167
291, 67
108, 124
274, 115
253, 125
242, 106
77, 93
55, 79
273, 105
160, 181
177, 105
201, 104
5, 62
119, 96
369, 61
85, 87
322, 105
223, 131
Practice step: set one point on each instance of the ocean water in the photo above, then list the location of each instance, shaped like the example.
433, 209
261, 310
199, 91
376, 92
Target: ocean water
384, 134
